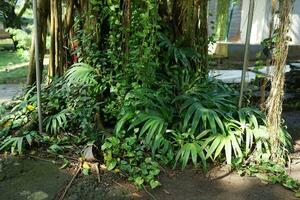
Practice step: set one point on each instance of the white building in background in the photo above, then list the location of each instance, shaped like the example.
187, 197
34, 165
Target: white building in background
238, 17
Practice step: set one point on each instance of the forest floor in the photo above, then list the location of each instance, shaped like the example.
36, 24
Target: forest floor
34, 179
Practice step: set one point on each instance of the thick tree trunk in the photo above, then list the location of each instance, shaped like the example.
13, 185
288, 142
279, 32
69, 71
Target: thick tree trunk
186, 18
67, 34
43, 13
190, 24
56, 50
274, 101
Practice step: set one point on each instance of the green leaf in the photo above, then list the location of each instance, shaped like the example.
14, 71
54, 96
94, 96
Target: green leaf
214, 146
85, 171
139, 181
20, 144
112, 164
154, 184
228, 152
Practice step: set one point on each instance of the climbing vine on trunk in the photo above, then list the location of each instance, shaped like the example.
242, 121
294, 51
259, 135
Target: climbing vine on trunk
275, 99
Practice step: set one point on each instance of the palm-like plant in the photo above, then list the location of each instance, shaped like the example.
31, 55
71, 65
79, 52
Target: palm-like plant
82, 73
148, 116
191, 147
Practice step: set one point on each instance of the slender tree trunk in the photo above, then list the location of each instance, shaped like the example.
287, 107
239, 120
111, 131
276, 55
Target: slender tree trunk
203, 38
23, 9
126, 28
274, 101
43, 13
222, 19
51, 68
59, 28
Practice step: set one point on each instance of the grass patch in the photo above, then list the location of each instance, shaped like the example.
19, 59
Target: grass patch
18, 75
10, 58
6, 44
13, 76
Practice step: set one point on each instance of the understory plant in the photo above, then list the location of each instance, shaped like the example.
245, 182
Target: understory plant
138, 92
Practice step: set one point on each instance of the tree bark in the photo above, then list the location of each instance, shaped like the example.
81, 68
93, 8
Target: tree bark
274, 101
203, 38
186, 18
268, 61
43, 13
67, 34
23, 9
126, 29
222, 19
56, 49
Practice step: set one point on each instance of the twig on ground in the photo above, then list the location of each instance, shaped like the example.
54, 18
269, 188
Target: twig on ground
98, 172
68, 157
43, 159
119, 184
70, 183
149, 193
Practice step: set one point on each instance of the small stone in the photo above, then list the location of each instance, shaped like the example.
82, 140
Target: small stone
38, 196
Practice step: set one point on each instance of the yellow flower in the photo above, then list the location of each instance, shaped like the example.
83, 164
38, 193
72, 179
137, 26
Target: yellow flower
117, 170
30, 107
7, 124
85, 165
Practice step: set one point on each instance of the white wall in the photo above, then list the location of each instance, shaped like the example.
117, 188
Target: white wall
261, 20
295, 23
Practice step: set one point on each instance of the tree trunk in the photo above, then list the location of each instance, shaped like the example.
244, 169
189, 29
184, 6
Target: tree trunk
56, 50
203, 38
186, 18
268, 61
126, 29
222, 19
274, 101
23, 9
67, 34
43, 13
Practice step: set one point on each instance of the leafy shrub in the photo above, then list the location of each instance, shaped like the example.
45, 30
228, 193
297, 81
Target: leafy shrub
201, 124
16, 144
129, 156
21, 38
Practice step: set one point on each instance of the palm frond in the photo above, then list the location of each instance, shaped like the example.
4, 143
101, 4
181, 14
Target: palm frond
81, 73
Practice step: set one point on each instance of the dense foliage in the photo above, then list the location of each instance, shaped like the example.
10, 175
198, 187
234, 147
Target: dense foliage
143, 100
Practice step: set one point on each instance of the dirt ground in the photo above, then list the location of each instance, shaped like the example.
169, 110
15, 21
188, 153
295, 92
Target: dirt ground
38, 180
8, 91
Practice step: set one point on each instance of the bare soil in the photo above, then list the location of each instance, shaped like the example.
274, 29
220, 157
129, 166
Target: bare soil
8, 91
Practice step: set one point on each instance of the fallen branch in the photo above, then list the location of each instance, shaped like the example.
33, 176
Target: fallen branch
70, 183
43, 159
149, 193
